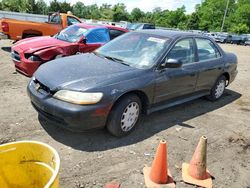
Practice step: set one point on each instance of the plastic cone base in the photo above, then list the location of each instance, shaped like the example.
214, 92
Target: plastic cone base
150, 184
189, 179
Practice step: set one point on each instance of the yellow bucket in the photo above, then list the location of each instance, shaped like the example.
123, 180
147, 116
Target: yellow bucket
28, 164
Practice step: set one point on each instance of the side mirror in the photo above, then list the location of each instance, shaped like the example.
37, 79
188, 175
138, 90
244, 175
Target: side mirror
83, 40
172, 63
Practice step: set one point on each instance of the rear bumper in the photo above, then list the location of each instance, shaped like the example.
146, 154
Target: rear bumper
233, 75
3, 36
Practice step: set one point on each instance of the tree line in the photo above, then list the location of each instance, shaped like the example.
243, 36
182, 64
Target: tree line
207, 16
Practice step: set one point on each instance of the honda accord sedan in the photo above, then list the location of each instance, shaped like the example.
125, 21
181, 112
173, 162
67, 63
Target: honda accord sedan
137, 73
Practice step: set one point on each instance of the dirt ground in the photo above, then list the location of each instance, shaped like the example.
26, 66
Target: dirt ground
94, 158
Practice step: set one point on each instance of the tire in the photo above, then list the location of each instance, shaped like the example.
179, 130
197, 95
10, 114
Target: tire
124, 116
218, 89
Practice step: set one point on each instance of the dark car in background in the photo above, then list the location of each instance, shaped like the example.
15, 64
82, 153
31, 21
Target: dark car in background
137, 73
223, 38
139, 26
236, 39
245, 39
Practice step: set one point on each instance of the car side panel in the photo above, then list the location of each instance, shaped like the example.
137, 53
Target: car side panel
175, 82
209, 71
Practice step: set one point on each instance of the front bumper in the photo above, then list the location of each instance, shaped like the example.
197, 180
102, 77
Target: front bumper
26, 68
23, 65
3, 36
70, 116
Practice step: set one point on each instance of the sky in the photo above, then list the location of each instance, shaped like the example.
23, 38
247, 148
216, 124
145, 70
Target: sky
145, 5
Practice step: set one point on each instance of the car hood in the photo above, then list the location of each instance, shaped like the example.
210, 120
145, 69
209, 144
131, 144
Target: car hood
82, 72
34, 44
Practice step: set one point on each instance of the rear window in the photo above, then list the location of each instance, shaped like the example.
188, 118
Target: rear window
206, 50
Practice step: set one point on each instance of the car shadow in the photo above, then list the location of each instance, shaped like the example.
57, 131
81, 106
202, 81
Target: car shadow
100, 140
6, 49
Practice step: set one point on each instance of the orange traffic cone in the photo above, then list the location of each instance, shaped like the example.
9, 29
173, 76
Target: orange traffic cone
196, 172
158, 175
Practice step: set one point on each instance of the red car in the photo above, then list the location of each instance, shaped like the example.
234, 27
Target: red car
29, 54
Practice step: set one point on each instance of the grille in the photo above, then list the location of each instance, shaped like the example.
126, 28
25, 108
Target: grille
41, 86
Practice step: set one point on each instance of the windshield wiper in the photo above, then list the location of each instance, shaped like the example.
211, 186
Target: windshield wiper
116, 60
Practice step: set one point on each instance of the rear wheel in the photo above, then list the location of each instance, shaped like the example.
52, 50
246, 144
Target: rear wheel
218, 89
124, 116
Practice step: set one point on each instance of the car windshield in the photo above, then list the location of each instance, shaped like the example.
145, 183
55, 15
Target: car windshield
139, 50
134, 26
71, 34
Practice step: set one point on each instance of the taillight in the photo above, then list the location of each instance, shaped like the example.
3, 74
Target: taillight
5, 27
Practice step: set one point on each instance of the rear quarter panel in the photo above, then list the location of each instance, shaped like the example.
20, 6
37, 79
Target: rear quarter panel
18, 27
230, 67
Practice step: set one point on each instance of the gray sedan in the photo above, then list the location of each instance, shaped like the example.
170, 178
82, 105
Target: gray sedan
137, 73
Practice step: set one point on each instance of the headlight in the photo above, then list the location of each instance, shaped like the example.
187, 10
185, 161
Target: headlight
77, 97
32, 57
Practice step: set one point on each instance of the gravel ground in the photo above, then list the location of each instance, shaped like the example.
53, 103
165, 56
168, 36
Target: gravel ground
94, 158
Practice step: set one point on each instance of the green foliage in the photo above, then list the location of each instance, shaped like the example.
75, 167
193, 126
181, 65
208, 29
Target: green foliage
208, 15
120, 13
41, 7
239, 28
136, 15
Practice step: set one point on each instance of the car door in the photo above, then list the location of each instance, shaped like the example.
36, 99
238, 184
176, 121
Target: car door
176, 82
94, 39
210, 63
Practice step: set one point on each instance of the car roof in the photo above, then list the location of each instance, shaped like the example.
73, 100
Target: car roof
168, 33
91, 26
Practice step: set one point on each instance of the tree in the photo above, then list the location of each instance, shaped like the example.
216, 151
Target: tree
239, 28
106, 12
119, 12
54, 6
65, 7
193, 21
136, 15
78, 9
93, 12
30, 6
211, 14
41, 7
14, 5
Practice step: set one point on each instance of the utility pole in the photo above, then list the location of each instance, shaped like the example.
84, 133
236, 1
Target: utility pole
224, 17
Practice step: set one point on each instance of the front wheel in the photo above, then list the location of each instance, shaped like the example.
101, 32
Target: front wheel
218, 89
124, 116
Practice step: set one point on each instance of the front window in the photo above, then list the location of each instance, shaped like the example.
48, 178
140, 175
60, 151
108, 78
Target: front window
183, 50
71, 34
134, 49
98, 36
